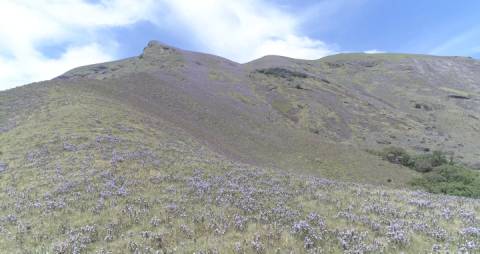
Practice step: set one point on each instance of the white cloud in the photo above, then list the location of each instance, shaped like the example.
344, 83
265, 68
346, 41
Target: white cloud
25, 26
243, 30
293, 46
374, 51
37, 67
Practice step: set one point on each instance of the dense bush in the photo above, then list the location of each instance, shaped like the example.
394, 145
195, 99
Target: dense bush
440, 175
421, 163
283, 73
397, 155
427, 162
452, 180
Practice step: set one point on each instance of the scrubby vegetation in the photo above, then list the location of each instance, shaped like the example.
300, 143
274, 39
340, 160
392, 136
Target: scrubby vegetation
422, 163
452, 180
108, 180
440, 174
232, 210
283, 73
397, 155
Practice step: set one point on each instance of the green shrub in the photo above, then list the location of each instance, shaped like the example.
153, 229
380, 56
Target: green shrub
421, 163
451, 179
440, 175
283, 73
438, 158
425, 163
397, 155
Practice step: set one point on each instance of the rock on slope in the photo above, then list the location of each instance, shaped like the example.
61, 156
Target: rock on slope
116, 154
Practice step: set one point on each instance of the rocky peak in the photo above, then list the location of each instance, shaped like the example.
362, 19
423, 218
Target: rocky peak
156, 49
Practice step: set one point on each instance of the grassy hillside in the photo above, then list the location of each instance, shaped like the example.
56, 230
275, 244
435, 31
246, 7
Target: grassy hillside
180, 152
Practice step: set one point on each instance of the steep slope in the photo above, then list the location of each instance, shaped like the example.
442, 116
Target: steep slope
417, 102
315, 117
182, 151
353, 100
220, 103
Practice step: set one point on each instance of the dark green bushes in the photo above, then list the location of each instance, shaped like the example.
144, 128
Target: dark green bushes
421, 163
452, 180
440, 174
282, 73
397, 155
427, 162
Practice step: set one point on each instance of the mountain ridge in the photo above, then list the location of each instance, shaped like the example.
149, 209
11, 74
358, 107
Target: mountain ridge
160, 45
322, 101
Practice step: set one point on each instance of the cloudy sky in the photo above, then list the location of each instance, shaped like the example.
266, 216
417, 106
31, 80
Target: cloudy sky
42, 39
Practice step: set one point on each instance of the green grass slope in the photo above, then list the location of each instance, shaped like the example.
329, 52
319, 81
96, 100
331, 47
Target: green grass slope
180, 152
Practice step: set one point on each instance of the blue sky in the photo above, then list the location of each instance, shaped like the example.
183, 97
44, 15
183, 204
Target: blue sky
42, 39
